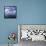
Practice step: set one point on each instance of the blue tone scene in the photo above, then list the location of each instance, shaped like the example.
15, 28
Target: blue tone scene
28, 12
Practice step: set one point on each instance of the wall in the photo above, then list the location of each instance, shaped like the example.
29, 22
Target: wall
6, 25
28, 12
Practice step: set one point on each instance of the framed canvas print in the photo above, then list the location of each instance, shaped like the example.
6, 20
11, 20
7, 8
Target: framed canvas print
10, 11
